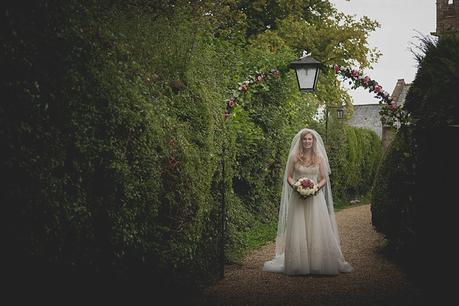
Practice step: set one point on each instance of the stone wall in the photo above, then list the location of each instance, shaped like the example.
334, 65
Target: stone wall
367, 116
447, 17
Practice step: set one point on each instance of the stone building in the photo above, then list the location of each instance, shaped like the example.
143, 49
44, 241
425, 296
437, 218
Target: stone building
367, 115
399, 93
398, 96
447, 17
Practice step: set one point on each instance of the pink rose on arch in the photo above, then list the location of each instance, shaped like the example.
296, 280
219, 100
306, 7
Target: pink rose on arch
366, 79
355, 73
393, 106
259, 77
377, 88
244, 87
232, 102
337, 68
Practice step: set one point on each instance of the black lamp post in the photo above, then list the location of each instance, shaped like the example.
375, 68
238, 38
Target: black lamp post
340, 112
307, 72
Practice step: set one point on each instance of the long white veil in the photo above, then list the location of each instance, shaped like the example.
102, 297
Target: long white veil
278, 261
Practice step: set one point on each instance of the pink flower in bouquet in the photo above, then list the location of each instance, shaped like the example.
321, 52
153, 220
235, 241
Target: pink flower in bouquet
275, 73
307, 183
305, 187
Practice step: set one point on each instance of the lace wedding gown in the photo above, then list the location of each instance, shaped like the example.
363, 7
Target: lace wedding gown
311, 246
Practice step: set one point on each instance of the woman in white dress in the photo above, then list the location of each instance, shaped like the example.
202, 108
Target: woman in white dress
307, 239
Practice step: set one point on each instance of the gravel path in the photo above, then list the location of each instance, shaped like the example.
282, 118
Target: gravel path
375, 280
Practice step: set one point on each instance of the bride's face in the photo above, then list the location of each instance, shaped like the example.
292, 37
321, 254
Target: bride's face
307, 141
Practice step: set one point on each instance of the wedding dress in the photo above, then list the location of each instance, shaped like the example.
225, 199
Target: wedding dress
307, 241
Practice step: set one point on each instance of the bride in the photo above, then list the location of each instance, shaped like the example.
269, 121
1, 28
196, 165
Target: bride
307, 239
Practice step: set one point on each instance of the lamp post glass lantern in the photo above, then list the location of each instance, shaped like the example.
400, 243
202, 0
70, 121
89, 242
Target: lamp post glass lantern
340, 113
339, 116
307, 72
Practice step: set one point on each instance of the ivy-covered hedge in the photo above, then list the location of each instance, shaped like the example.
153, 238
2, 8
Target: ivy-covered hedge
109, 154
354, 155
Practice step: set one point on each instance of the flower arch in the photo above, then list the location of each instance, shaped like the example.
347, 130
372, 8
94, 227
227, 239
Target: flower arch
253, 81
391, 114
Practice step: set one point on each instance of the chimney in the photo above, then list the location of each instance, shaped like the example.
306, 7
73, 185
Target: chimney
398, 90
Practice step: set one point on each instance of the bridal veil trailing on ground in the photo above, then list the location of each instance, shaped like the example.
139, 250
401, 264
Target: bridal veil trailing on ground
307, 239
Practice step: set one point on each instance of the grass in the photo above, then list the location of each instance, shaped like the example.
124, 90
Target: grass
256, 237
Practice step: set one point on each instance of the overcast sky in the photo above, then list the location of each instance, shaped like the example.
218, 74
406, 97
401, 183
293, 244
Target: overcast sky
401, 21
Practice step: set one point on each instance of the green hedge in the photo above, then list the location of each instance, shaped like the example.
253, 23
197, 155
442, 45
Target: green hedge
392, 191
354, 155
109, 157
414, 197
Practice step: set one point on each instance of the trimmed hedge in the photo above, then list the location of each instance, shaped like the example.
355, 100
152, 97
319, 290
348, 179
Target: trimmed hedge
392, 191
414, 197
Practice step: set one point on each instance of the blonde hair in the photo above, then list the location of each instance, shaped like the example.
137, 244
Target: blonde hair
300, 153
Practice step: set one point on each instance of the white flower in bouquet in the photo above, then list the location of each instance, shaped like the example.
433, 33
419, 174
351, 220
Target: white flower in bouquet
305, 187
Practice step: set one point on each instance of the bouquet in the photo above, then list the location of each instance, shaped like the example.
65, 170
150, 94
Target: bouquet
305, 187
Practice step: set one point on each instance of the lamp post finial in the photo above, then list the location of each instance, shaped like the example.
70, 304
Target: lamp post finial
305, 53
